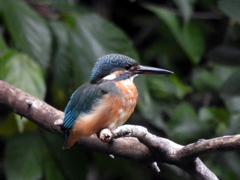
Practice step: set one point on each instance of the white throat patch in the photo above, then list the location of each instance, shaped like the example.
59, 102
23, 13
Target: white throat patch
132, 77
113, 76
110, 77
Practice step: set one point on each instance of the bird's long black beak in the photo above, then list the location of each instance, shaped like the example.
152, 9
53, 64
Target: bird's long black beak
151, 70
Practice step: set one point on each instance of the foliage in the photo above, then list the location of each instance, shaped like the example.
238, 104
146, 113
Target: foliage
48, 48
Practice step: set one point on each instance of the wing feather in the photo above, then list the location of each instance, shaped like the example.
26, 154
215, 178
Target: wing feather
81, 102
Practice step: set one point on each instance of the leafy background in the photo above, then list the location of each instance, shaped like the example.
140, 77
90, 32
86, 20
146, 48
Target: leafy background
48, 48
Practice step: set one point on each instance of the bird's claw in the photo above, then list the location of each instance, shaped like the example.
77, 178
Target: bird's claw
105, 135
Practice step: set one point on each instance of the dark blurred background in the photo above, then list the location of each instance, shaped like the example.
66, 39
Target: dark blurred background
48, 49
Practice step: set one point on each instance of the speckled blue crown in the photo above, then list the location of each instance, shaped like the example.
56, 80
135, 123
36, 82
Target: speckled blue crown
107, 63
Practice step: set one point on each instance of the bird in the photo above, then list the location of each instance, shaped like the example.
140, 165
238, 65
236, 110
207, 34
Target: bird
107, 100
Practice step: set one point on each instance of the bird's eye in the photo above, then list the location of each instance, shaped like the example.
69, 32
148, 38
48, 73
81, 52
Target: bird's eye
128, 66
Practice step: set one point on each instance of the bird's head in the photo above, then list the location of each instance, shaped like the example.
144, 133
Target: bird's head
118, 67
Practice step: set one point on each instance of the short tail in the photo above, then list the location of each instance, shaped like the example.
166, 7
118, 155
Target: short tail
70, 141
66, 145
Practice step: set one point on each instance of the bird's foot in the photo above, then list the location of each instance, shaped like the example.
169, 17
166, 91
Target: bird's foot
105, 135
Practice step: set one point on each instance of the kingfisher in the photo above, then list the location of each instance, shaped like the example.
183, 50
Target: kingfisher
107, 100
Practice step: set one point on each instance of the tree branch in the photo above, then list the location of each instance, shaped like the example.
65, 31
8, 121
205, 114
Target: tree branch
136, 143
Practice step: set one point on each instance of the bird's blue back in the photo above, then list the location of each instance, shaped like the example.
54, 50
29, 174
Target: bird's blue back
81, 102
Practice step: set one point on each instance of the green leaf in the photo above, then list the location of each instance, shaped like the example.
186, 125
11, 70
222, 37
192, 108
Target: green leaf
69, 164
28, 158
3, 49
61, 64
232, 86
27, 29
231, 8
185, 126
225, 55
218, 116
181, 90
162, 88
89, 41
21, 71
8, 126
21, 121
24, 73
234, 125
232, 103
185, 7
192, 42
148, 108
235, 35
225, 167
13, 124
211, 79
168, 87
213, 114
23, 160
3, 46
188, 36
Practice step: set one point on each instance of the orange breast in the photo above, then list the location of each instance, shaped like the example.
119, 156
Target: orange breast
125, 103
112, 111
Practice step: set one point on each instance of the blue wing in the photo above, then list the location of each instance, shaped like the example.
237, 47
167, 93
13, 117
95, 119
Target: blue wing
81, 101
